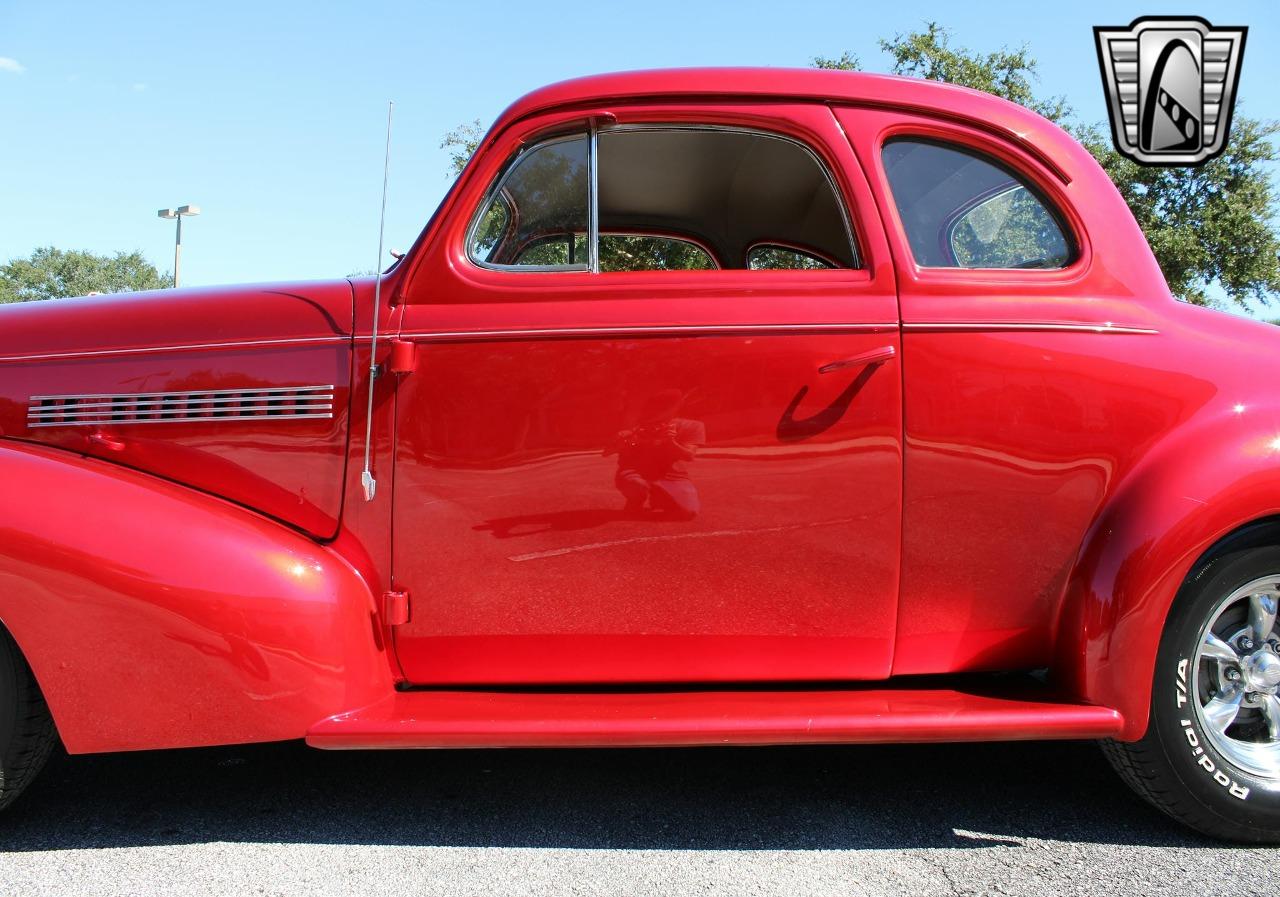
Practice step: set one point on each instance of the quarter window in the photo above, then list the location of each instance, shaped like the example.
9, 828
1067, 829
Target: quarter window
664, 198
783, 258
544, 193
962, 210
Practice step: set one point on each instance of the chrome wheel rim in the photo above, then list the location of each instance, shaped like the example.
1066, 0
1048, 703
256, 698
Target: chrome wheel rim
1236, 683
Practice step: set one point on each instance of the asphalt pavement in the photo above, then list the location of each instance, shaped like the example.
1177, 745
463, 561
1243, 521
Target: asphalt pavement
1033, 818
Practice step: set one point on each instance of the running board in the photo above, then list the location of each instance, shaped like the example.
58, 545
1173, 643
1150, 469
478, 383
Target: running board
468, 718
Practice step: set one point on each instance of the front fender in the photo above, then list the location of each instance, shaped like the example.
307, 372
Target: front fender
1190, 492
156, 616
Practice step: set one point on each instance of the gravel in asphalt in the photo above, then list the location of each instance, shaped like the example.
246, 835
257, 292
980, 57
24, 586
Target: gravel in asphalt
1032, 818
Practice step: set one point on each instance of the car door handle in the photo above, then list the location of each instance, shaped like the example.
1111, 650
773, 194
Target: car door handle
875, 356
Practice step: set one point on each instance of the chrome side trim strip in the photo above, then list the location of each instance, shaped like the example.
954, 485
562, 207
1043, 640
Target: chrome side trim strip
268, 409
241, 390
185, 347
656, 330
676, 330
751, 329
177, 420
138, 396
1026, 326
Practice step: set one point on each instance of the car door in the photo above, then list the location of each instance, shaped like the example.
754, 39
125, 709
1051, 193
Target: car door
1034, 383
654, 430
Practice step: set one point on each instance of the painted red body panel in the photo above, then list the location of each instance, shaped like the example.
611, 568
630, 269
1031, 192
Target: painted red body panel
152, 615
281, 335
506, 502
1024, 484
435, 719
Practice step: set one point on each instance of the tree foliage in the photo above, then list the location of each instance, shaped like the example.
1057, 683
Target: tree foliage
462, 143
1208, 225
55, 273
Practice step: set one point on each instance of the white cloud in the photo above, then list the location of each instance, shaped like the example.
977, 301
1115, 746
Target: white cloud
12, 66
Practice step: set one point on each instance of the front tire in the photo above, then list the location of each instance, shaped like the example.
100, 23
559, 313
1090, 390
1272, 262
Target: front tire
1211, 755
27, 735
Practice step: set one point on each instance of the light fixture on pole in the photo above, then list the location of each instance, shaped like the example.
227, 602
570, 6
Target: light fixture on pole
178, 214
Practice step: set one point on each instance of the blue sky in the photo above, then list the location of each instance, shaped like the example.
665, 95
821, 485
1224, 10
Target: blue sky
270, 115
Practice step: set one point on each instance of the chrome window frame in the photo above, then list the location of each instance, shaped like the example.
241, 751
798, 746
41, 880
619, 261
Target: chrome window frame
593, 197
829, 265
1019, 177
501, 181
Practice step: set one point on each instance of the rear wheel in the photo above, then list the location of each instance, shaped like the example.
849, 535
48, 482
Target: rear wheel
1211, 755
26, 729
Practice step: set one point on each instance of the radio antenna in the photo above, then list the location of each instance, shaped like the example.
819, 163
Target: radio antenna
367, 481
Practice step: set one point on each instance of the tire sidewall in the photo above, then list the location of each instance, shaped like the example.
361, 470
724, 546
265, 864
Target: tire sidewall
1235, 795
9, 661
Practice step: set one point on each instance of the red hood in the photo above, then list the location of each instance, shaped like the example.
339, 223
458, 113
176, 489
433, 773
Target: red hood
214, 387
160, 318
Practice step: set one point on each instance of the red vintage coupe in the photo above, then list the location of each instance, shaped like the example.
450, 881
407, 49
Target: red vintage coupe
711, 407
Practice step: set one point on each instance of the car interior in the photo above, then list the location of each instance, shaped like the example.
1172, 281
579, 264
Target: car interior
684, 198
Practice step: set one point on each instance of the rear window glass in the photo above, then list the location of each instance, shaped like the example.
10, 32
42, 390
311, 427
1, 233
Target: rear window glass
783, 258
621, 252
963, 210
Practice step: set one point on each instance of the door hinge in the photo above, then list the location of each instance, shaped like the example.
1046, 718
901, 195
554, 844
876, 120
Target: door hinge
395, 608
404, 357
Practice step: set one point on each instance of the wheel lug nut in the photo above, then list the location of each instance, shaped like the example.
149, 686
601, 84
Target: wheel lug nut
1246, 643
1233, 675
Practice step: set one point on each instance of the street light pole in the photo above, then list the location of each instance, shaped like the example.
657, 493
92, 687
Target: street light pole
177, 214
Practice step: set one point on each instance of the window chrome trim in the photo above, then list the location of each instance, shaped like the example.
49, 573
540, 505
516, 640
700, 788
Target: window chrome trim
841, 201
1021, 178
500, 183
593, 200
593, 194
787, 247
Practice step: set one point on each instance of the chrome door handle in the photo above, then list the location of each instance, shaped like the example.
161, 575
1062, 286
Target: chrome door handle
875, 356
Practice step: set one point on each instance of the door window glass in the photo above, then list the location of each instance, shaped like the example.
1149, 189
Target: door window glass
666, 198
544, 193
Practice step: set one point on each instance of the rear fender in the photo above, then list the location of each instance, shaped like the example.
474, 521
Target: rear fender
156, 616
1192, 491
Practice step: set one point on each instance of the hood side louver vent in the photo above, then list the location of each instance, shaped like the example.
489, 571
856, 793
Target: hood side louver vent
291, 402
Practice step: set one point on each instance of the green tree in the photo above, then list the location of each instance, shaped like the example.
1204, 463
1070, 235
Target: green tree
1212, 224
55, 273
462, 143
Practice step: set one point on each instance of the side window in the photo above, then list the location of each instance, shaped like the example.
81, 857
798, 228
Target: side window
664, 198
963, 210
544, 193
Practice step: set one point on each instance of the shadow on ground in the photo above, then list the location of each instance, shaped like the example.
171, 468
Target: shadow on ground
795, 798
